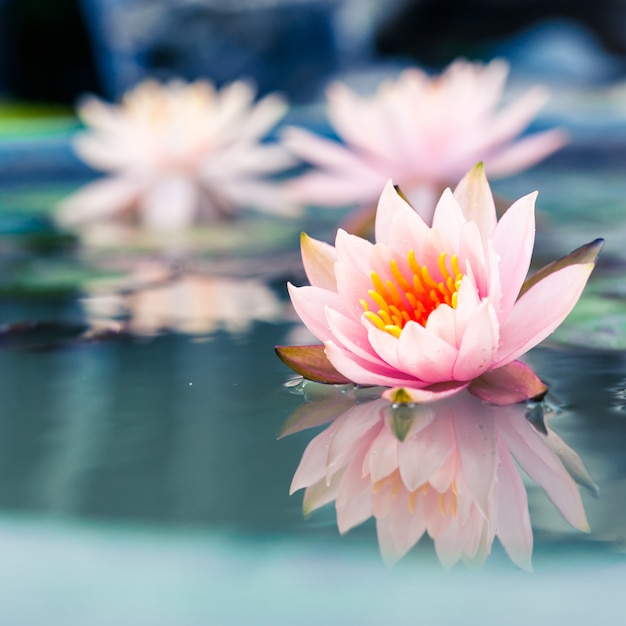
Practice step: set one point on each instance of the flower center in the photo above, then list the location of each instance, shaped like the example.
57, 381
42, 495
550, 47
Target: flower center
400, 299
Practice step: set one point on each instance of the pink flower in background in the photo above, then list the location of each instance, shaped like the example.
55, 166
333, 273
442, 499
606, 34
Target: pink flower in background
433, 310
178, 153
422, 132
444, 469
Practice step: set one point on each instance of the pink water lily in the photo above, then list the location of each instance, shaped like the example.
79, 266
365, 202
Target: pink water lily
434, 309
423, 132
445, 469
178, 153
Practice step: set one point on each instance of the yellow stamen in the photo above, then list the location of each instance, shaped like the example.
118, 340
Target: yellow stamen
403, 283
454, 261
372, 317
442, 266
394, 330
385, 317
401, 299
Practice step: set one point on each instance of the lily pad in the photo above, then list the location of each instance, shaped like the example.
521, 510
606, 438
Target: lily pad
598, 321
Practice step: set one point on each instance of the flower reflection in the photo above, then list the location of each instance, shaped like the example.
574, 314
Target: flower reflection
444, 469
178, 153
422, 132
154, 299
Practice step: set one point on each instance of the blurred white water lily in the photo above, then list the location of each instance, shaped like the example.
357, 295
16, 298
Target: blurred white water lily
446, 469
423, 132
154, 300
178, 153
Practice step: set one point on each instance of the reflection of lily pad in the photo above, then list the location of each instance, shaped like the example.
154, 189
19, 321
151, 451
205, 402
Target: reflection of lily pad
247, 237
49, 276
31, 233
34, 199
47, 335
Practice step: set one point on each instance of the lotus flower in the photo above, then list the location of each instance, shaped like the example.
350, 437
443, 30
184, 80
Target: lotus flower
178, 152
422, 132
445, 469
429, 311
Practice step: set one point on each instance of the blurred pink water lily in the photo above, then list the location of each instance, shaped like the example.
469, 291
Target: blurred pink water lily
178, 153
422, 132
429, 311
445, 469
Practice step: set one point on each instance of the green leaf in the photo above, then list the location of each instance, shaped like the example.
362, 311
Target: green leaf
311, 362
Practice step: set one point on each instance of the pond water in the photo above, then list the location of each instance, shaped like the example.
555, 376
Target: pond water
142, 480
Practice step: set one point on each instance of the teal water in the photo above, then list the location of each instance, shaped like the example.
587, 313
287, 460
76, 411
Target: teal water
142, 481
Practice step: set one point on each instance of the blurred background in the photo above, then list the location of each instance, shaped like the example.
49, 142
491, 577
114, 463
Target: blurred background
141, 482
56, 51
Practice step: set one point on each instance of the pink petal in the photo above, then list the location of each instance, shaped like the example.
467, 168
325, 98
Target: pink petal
352, 335
474, 195
512, 120
525, 152
310, 304
389, 203
354, 499
349, 115
319, 151
383, 454
448, 545
475, 434
479, 344
472, 251
471, 532
312, 467
513, 241
540, 310
169, 205
468, 301
321, 493
421, 455
400, 530
353, 251
100, 199
334, 190
319, 259
353, 285
442, 323
448, 218
514, 528
259, 119
423, 354
542, 465
354, 431
511, 383
362, 372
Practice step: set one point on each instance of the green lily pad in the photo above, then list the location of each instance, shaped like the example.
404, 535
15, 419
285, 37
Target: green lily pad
598, 321
19, 119
46, 276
